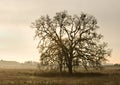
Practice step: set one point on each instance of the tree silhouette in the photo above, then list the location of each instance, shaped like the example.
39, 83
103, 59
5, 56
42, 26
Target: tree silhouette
70, 41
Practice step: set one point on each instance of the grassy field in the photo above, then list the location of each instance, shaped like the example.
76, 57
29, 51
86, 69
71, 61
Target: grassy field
34, 77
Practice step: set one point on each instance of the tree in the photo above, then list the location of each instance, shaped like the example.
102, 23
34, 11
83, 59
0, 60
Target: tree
66, 39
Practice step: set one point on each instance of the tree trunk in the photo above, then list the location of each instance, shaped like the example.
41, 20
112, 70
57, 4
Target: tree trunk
60, 68
70, 69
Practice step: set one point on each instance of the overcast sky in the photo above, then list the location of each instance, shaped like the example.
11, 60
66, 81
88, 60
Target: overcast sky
16, 36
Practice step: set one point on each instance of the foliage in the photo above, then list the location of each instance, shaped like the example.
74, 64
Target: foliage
70, 41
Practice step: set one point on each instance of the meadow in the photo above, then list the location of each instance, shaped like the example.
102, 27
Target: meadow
35, 77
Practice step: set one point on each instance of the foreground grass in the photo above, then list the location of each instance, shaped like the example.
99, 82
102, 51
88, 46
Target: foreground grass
33, 77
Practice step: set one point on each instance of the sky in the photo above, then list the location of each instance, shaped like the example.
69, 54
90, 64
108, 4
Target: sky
16, 35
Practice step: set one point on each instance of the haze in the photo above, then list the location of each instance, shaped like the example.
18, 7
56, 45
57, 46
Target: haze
16, 36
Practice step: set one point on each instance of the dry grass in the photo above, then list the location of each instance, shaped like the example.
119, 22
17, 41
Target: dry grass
33, 77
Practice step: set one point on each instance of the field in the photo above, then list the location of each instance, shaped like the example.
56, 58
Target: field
34, 77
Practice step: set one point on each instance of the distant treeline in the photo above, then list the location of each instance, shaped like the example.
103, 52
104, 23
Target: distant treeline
116, 64
17, 65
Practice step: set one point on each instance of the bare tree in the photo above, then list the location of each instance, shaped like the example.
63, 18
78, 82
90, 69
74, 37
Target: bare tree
66, 38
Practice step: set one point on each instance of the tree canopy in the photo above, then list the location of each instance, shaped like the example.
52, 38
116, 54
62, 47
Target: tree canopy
70, 41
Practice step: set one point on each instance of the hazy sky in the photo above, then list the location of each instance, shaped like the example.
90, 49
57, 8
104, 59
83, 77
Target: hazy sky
16, 36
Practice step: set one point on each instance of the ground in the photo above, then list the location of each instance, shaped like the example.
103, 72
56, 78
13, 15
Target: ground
34, 77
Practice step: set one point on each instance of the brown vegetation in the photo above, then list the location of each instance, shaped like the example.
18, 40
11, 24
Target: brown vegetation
34, 77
